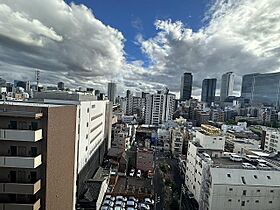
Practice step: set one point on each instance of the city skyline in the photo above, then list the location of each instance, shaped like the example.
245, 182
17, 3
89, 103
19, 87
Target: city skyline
196, 42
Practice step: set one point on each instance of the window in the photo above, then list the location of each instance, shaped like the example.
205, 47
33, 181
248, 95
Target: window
228, 175
268, 177
257, 201
258, 190
270, 202
93, 106
243, 203
271, 191
255, 176
87, 124
230, 189
87, 110
229, 200
244, 192
243, 180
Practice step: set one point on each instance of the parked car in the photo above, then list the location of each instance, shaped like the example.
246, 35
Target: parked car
120, 203
149, 201
121, 198
131, 204
248, 165
106, 208
138, 173
150, 174
118, 208
143, 206
132, 172
131, 198
109, 197
108, 203
263, 166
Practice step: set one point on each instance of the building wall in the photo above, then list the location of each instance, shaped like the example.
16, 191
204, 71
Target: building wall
91, 127
272, 141
211, 142
60, 157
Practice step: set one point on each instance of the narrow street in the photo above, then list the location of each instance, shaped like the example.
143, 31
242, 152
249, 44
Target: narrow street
186, 204
158, 184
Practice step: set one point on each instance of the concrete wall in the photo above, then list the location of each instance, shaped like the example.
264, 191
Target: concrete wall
60, 150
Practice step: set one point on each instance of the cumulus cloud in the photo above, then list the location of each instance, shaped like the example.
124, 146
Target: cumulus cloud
242, 36
66, 42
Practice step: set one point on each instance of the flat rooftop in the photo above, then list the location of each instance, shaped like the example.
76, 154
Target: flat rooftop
31, 104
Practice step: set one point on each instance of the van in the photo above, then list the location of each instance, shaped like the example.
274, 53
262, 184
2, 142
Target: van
236, 158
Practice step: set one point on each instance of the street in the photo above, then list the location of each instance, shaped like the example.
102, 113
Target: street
159, 157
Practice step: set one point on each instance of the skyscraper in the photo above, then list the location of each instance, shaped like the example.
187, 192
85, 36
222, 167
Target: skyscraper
186, 86
112, 90
208, 90
261, 88
227, 85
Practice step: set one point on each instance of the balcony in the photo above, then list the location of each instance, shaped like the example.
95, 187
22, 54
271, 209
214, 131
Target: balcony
20, 188
20, 206
21, 135
20, 162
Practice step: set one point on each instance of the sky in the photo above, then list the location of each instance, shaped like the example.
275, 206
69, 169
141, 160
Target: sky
141, 45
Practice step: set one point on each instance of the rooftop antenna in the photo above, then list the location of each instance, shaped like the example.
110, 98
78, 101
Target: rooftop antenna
37, 78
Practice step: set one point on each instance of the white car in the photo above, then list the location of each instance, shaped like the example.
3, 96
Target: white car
131, 198
144, 206
248, 165
131, 204
149, 201
119, 208
108, 203
109, 197
132, 172
121, 198
138, 173
120, 204
106, 208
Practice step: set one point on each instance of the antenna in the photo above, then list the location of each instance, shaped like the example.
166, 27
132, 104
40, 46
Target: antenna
37, 78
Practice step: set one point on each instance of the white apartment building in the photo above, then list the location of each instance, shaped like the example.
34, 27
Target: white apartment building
159, 108
272, 140
218, 181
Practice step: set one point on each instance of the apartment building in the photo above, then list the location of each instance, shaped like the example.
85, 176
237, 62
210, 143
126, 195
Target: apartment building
272, 140
177, 140
159, 108
37, 156
221, 180
92, 134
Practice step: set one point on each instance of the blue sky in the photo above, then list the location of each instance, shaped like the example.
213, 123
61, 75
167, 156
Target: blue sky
89, 43
134, 17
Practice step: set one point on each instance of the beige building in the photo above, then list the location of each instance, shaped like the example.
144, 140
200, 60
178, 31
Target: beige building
37, 156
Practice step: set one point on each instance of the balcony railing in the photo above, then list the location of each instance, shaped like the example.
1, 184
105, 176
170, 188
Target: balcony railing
21, 206
21, 135
20, 162
20, 188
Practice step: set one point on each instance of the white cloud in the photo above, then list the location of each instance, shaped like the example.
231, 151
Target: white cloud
68, 43
242, 36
